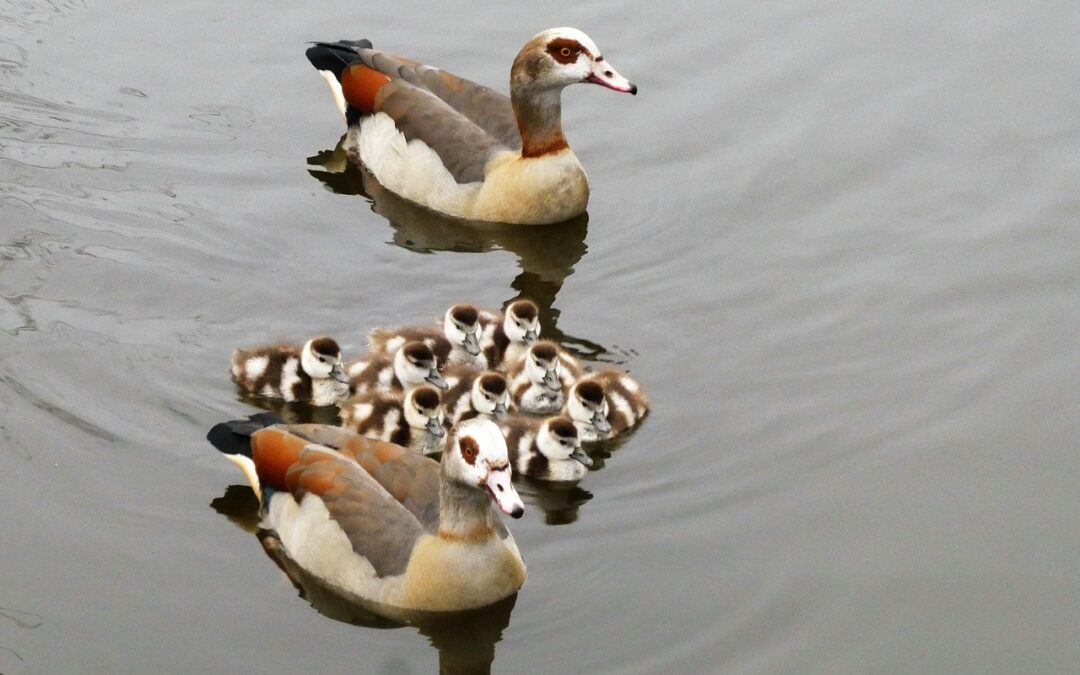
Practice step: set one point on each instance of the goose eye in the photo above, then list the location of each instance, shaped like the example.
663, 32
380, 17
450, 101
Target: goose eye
565, 51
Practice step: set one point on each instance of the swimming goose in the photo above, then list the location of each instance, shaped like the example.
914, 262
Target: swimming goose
539, 379
605, 403
410, 366
414, 421
458, 341
311, 373
507, 335
381, 525
475, 393
459, 148
548, 449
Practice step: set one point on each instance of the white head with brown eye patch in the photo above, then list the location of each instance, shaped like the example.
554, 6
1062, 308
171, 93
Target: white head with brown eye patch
478, 458
321, 359
558, 57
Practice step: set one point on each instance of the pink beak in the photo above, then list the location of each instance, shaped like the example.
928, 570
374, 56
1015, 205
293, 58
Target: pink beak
503, 493
606, 76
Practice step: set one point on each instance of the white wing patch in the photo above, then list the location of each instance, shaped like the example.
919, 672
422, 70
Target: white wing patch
289, 377
255, 367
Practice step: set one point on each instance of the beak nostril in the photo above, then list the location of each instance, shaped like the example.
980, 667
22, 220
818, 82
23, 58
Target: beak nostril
501, 489
608, 73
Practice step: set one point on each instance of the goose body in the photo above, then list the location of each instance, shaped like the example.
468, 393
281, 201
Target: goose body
457, 341
540, 378
547, 449
311, 373
383, 525
414, 421
606, 403
460, 148
410, 366
475, 393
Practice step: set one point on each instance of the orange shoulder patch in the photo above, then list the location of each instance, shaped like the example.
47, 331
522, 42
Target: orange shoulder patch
360, 85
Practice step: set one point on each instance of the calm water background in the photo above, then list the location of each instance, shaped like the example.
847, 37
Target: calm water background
838, 241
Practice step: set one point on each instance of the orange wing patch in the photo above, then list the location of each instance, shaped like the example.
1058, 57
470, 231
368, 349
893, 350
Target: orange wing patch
274, 450
360, 85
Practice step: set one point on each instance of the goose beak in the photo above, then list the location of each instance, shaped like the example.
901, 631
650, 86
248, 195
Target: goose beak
531, 335
503, 493
435, 428
436, 380
606, 76
500, 410
338, 373
472, 345
600, 422
551, 380
580, 456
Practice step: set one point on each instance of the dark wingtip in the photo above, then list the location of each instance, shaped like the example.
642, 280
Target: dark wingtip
234, 437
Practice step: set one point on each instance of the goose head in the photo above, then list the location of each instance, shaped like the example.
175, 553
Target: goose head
558, 440
461, 326
587, 405
477, 458
414, 364
522, 322
558, 57
491, 395
321, 359
542, 365
423, 411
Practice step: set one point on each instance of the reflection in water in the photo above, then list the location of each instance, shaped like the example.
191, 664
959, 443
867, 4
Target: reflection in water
546, 255
465, 640
291, 412
558, 501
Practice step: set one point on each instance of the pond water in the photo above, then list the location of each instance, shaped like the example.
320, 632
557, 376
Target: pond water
838, 242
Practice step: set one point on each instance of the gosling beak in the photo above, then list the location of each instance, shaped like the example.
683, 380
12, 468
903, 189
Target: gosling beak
500, 410
600, 422
580, 456
338, 373
436, 379
531, 335
551, 380
472, 344
606, 76
435, 427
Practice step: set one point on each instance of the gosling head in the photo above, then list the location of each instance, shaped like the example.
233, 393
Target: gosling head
321, 359
414, 364
461, 326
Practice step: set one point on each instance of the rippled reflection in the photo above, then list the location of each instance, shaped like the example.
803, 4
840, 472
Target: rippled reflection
465, 641
546, 255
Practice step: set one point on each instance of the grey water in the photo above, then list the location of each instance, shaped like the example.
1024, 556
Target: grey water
838, 242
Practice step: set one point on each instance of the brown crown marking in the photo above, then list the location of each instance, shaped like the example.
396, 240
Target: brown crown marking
426, 397
493, 383
325, 346
591, 391
545, 350
562, 427
465, 314
419, 353
469, 449
524, 309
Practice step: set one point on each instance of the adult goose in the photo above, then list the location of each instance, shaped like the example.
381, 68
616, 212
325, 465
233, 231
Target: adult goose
379, 524
460, 148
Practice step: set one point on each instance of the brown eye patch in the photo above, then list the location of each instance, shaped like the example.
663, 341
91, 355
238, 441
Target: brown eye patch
564, 50
469, 449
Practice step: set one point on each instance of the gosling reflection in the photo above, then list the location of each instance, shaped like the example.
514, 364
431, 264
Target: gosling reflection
546, 254
465, 641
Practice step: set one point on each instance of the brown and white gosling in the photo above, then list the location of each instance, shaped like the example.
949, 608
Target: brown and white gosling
475, 393
410, 366
311, 373
456, 341
507, 335
547, 449
540, 378
414, 421
605, 403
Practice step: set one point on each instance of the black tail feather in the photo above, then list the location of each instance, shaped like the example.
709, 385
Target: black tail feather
234, 437
334, 56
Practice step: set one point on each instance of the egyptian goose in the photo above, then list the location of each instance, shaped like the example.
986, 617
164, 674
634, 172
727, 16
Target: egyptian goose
475, 393
311, 373
410, 366
414, 420
459, 148
458, 341
547, 449
382, 525
507, 335
539, 379
605, 403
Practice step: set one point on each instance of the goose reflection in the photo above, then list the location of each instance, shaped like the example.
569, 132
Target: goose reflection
546, 254
465, 641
